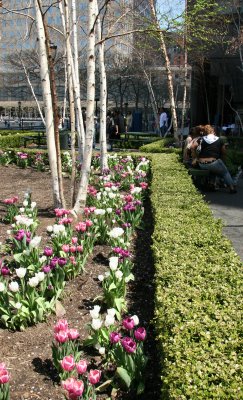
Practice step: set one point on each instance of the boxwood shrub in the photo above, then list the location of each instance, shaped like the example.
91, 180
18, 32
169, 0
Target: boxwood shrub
165, 145
199, 291
14, 140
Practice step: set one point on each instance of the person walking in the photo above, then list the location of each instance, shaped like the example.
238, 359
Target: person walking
163, 122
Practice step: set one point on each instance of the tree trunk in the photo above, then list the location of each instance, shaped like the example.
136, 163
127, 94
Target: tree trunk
55, 112
85, 173
103, 100
66, 30
47, 100
80, 122
33, 92
168, 70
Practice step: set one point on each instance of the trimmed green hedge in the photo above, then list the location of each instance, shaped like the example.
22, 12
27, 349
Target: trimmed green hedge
161, 146
199, 291
14, 140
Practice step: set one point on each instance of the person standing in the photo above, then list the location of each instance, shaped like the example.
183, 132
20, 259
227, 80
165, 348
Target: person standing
163, 122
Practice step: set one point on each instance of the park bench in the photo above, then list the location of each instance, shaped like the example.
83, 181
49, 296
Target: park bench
199, 177
140, 141
38, 139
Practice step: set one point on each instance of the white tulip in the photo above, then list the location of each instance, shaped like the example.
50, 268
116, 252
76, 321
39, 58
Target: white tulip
102, 351
14, 286
96, 324
116, 232
33, 205
95, 312
25, 203
21, 272
109, 320
2, 287
135, 319
101, 277
111, 311
99, 211
18, 306
22, 210
109, 210
40, 276
33, 282
35, 242
49, 228
113, 263
42, 259
119, 274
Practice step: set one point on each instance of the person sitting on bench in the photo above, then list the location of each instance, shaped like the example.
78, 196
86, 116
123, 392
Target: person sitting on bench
210, 149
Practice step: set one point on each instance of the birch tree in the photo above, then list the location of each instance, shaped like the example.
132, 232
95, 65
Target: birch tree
103, 97
168, 68
47, 100
85, 173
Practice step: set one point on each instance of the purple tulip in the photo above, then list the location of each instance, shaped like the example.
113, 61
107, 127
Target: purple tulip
128, 323
5, 271
115, 337
140, 334
48, 251
62, 261
46, 269
128, 344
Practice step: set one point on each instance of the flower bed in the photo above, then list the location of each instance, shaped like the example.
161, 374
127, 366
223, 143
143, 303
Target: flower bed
198, 291
33, 278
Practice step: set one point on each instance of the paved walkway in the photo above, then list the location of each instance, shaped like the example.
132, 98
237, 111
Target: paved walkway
229, 207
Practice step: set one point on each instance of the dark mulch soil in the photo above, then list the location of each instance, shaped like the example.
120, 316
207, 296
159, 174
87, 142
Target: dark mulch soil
28, 354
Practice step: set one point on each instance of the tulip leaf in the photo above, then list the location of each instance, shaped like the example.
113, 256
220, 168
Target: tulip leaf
124, 376
103, 386
112, 286
140, 388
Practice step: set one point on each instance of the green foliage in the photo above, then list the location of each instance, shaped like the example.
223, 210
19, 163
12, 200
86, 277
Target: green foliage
12, 140
198, 291
161, 146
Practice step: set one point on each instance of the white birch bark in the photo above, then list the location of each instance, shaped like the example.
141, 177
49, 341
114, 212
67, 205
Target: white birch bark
168, 70
65, 92
80, 122
85, 173
47, 100
70, 64
103, 99
32, 91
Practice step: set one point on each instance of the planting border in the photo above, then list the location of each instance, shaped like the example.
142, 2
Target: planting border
199, 295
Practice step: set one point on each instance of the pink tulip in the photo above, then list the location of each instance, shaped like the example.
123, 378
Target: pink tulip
73, 249
80, 249
4, 376
73, 334
65, 248
128, 323
74, 387
143, 185
81, 366
61, 325
81, 227
115, 337
68, 363
61, 336
74, 240
88, 222
94, 376
140, 334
